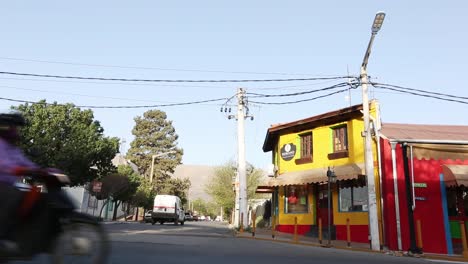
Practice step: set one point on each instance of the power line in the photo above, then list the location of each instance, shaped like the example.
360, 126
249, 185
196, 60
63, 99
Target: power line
75, 94
416, 90
169, 81
422, 95
113, 83
257, 95
147, 68
121, 106
300, 101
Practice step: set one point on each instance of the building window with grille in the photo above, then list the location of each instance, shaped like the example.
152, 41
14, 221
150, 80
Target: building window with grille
306, 148
353, 199
340, 143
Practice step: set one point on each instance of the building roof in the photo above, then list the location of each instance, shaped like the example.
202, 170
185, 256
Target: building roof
319, 120
442, 133
120, 159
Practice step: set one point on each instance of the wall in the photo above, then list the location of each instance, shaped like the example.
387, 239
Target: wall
429, 210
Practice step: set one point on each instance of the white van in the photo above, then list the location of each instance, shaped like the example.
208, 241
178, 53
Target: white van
168, 208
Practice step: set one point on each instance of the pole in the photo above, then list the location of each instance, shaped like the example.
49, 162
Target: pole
236, 205
369, 160
241, 167
152, 168
409, 201
329, 213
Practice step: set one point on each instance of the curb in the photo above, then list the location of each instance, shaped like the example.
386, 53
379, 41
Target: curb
422, 256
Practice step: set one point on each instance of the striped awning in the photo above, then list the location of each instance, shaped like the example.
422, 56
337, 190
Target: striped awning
455, 175
344, 172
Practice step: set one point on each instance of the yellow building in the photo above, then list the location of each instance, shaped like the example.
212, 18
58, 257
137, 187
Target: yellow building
303, 152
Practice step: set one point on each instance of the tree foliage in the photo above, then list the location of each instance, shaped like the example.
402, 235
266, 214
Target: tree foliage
65, 137
154, 135
221, 187
177, 187
144, 196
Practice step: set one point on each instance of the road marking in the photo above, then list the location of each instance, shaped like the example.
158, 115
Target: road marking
445, 261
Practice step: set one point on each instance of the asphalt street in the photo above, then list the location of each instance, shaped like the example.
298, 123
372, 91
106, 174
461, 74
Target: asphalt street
211, 242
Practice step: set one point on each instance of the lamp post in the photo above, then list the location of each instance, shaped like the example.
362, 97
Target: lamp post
331, 179
368, 156
152, 162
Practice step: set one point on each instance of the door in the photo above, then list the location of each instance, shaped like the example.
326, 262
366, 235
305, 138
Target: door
322, 206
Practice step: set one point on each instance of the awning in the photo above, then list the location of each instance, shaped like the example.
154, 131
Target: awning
455, 175
440, 151
265, 189
344, 172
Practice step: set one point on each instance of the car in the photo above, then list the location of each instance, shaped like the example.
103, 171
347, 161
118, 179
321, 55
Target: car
188, 217
148, 216
168, 208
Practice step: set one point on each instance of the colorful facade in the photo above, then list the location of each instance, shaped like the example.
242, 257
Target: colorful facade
303, 151
421, 180
431, 192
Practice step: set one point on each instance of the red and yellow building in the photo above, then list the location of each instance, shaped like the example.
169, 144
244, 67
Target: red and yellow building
302, 152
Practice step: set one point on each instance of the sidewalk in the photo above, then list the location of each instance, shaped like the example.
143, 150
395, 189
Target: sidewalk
266, 234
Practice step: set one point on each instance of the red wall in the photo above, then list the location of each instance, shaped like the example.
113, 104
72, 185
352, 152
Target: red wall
359, 233
301, 229
429, 211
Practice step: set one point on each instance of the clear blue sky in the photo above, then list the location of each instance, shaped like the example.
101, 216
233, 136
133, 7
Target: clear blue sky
422, 45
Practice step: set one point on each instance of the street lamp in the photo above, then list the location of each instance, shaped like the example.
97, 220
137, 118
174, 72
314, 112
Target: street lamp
331, 179
368, 156
152, 161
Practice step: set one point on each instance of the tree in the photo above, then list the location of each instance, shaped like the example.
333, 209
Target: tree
119, 187
221, 187
154, 134
144, 196
177, 187
65, 137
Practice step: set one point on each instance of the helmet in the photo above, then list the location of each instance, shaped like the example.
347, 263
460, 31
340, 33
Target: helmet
15, 119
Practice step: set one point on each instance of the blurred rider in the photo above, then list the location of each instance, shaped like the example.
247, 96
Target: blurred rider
13, 163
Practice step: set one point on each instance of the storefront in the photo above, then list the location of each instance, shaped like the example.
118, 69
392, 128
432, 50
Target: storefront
429, 190
305, 152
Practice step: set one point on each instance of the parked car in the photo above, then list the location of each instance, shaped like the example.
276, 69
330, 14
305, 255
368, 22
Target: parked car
188, 217
195, 217
148, 216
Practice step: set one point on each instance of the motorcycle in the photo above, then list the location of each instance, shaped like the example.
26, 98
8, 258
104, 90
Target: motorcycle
49, 223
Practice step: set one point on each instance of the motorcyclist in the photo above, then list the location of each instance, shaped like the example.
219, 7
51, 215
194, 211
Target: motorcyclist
13, 163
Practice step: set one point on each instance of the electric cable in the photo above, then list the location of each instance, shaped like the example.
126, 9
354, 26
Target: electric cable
416, 90
300, 101
422, 95
121, 106
257, 95
169, 81
147, 68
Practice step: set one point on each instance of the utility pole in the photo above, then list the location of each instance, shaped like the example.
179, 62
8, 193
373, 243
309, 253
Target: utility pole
368, 156
236, 204
241, 164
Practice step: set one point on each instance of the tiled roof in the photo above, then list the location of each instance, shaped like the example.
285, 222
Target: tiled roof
425, 132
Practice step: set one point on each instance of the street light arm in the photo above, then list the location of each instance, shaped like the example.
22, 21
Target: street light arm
368, 52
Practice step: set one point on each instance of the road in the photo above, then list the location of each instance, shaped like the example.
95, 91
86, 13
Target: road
211, 242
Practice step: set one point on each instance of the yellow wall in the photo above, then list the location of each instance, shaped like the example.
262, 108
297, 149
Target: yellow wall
322, 146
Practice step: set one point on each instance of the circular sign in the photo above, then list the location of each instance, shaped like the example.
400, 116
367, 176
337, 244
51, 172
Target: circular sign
288, 151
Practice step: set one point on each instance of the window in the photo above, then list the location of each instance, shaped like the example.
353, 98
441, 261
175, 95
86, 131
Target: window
296, 199
340, 143
340, 139
353, 199
306, 149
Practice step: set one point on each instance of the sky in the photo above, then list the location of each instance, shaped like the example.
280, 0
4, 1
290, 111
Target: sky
422, 45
